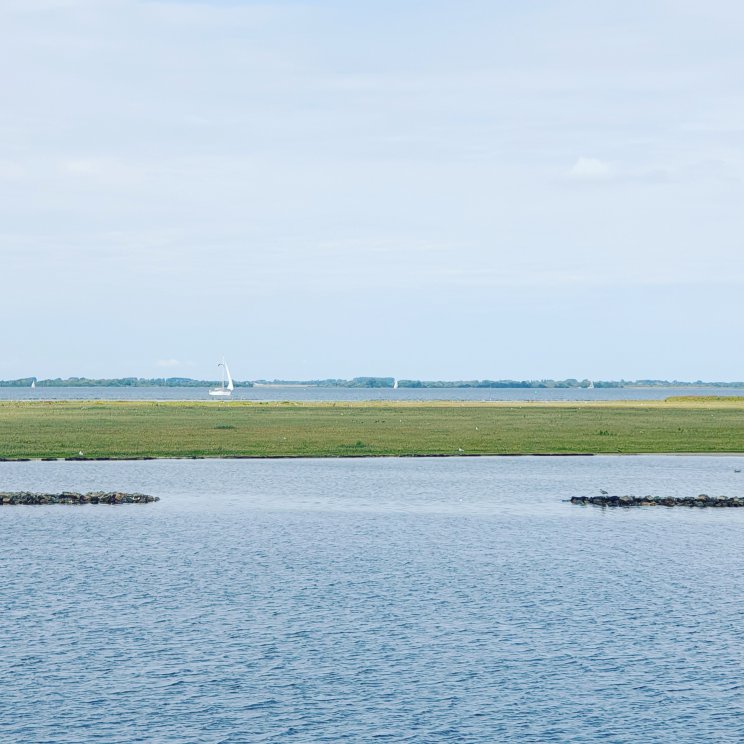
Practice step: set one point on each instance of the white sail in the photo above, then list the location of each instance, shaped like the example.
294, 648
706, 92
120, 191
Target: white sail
33, 383
223, 390
395, 384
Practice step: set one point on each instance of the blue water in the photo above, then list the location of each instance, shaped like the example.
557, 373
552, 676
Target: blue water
363, 394
442, 600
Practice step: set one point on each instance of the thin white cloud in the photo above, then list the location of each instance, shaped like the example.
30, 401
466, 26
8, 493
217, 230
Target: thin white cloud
82, 166
11, 171
590, 169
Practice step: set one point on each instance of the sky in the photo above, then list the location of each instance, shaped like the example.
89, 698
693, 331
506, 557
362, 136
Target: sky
449, 189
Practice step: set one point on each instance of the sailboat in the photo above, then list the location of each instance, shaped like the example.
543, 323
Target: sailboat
33, 384
224, 390
591, 385
395, 384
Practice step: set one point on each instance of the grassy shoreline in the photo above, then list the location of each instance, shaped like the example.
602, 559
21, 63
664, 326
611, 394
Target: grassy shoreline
240, 429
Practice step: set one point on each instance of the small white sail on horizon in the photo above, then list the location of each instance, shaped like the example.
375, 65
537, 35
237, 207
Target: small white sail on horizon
395, 384
226, 388
591, 385
33, 384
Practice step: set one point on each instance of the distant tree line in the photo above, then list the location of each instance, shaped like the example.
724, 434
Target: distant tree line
358, 382
556, 384
116, 382
501, 384
355, 382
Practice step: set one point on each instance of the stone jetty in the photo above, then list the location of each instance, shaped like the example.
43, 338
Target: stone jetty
72, 497
703, 500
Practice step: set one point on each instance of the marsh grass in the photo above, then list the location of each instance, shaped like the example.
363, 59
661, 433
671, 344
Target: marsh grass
44, 429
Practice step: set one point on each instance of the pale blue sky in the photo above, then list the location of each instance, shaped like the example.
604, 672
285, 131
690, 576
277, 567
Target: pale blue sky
458, 189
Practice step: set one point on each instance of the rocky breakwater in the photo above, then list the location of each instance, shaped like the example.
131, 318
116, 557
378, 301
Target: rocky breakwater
71, 497
703, 500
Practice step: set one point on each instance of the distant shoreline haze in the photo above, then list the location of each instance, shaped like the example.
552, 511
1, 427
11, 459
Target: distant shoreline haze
357, 382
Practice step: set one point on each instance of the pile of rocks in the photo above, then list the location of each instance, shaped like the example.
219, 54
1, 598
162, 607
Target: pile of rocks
700, 501
72, 497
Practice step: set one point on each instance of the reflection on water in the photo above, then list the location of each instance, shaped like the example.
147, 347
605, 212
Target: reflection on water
347, 600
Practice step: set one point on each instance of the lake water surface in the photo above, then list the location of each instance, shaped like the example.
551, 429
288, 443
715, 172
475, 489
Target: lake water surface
360, 394
401, 600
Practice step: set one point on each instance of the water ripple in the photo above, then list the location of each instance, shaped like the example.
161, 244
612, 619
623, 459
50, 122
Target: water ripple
384, 600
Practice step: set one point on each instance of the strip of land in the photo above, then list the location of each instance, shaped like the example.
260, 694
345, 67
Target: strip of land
128, 430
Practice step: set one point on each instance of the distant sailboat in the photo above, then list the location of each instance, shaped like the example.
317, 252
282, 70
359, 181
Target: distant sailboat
227, 386
591, 385
33, 384
395, 384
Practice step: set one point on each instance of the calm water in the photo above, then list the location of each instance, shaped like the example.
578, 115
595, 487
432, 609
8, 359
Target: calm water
351, 394
455, 600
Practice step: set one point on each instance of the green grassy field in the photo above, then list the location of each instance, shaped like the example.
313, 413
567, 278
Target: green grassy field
237, 429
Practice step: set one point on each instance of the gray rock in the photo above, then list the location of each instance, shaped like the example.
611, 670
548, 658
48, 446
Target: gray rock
72, 497
701, 501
